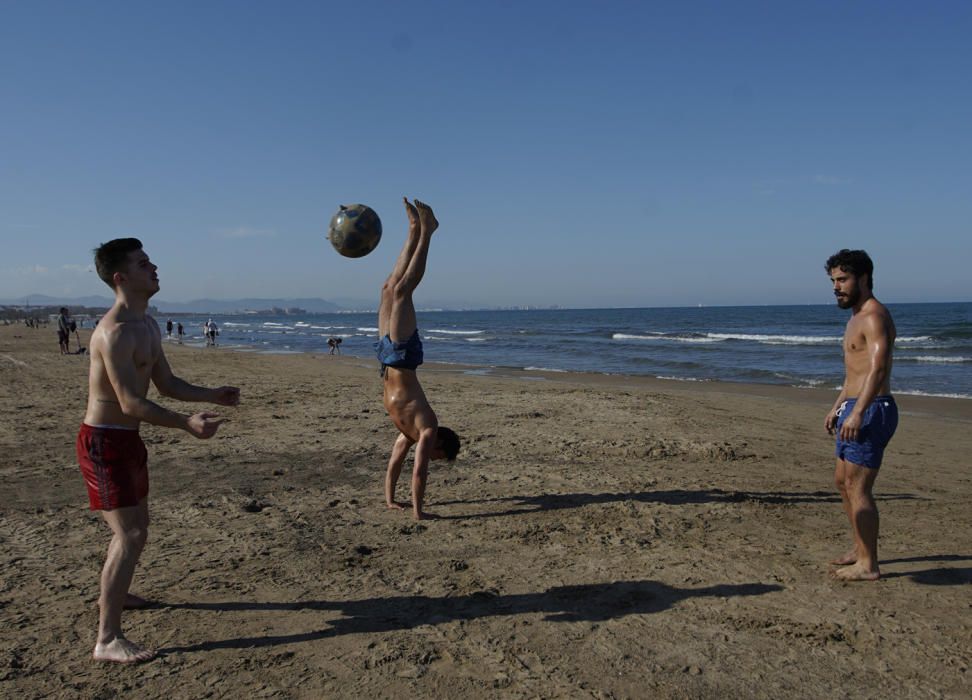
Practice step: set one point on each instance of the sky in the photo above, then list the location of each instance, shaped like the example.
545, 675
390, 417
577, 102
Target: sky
580, 154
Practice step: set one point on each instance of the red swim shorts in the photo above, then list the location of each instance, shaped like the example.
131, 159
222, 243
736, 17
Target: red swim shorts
114, 463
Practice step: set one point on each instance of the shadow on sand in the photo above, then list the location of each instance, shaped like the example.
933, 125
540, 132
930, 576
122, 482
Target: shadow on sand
590, 602
940, 576
532, 504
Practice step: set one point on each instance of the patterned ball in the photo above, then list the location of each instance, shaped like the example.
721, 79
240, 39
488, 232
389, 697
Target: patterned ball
355, 230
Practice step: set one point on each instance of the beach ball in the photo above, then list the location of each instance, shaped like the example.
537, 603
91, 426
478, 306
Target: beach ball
355, 230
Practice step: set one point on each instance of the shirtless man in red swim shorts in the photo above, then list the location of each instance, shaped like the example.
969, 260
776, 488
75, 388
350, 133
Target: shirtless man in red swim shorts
399, 350
126, 354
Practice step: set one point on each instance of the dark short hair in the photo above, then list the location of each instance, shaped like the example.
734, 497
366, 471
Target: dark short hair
856, 262
111, 257
448, 442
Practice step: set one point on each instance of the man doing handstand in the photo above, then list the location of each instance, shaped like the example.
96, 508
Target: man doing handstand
399, 350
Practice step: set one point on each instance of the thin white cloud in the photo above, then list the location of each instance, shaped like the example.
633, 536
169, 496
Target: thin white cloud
31, 270
832, 180
246, 232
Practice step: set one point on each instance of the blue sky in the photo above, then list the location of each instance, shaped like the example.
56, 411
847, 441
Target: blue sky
580, 154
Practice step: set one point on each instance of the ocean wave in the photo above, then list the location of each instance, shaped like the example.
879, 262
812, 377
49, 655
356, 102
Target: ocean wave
544, 369
367, 330
694, 338
928, 393
779, 339
933, 358
438, 330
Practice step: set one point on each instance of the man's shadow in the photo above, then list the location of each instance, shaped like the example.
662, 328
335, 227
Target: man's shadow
557, 501
588, 602
939, 576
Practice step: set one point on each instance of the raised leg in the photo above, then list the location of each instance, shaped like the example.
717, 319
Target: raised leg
408, 249
129, 528
402, 322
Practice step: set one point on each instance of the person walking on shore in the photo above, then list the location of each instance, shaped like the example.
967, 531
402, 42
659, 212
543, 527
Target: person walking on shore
864, 416
63, 331
126, 355
399, 350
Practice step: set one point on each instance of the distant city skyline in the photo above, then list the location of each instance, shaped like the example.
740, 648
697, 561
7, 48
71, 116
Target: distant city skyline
579, 155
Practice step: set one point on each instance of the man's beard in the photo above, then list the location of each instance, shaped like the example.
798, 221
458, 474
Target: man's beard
850, 300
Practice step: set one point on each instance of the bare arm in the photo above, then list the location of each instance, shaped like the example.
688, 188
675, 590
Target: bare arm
395, 462
878, 339
119, 360
420, 471
172, 386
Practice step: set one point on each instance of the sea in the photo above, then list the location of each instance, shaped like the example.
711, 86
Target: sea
796, 346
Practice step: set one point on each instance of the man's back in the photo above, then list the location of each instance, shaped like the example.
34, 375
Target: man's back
406, 403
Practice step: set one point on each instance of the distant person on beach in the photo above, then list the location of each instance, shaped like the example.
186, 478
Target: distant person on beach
168, 328
126, 355
399, 350
63, 331
73, 328
864, 416
335, 345
181, 331
211, 332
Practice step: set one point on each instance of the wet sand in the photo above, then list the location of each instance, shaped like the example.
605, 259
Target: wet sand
601, 537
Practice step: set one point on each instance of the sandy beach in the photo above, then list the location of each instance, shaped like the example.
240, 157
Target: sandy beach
601, 537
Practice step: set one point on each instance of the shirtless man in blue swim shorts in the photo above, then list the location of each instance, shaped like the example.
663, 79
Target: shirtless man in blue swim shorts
399, 350
864, 416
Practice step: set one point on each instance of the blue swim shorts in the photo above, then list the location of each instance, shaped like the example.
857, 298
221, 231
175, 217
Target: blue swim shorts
407, 355
877, 428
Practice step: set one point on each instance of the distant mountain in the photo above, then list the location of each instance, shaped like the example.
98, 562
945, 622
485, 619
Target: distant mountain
228, 306
222, 306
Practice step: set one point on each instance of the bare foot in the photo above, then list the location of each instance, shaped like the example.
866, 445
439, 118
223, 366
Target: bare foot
856, 572
395, 505
849, 558
122, 651
425, 515
429, 222
413, 216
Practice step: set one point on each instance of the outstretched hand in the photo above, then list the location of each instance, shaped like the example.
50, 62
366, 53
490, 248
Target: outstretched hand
227, 396
204, 425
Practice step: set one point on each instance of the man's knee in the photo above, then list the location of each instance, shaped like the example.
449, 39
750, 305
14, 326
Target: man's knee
134, 537
403, 289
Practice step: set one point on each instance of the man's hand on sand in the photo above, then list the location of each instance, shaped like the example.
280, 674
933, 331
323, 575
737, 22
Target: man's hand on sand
227, 396
203, 425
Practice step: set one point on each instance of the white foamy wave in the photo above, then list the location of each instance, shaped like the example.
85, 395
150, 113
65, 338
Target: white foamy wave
241, 325
543, 369
476, 340
271, 323
670, 338
301, 324
940, 396
913, 339
438, 330
680, 379
367, 330
778, 339
933, 358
